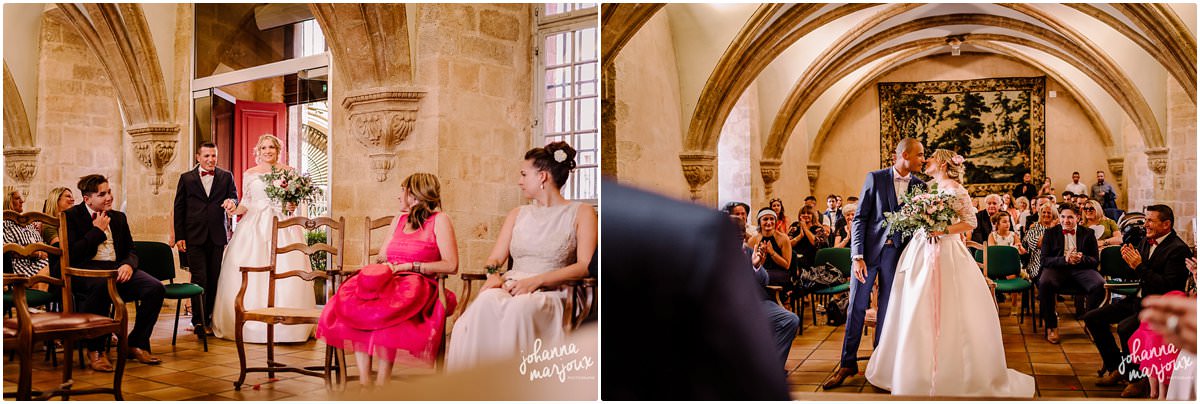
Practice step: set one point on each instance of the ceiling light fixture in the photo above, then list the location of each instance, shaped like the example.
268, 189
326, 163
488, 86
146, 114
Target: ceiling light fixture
955, 42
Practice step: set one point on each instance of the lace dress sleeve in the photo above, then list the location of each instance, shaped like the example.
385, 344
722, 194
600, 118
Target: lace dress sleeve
966, 212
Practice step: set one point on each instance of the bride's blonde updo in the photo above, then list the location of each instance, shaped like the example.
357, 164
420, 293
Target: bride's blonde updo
954, 169
274, 141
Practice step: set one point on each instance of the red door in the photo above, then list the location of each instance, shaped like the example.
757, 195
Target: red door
251, 120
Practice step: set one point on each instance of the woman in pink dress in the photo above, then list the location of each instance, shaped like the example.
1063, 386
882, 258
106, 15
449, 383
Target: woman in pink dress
390, 311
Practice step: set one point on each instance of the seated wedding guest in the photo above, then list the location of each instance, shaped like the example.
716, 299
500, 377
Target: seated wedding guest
1161, 264
31, 265
784, 323
1052, 198
679, 298
550, 242
99, 238
775, 246
1076, 187
1079, 200
1069, 257
59, 200
1006, 203
991, 205
806, 236
391, 312
1047, 218
842, 237
1106, 230
1047, 187
1021, 212
740, 211
781, 223
1003, 233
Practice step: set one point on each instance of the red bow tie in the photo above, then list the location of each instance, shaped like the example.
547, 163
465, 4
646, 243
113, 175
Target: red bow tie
1071, 232
1152, 241
93, 216
204, 173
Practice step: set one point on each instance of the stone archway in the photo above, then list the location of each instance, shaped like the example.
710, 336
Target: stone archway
20, 154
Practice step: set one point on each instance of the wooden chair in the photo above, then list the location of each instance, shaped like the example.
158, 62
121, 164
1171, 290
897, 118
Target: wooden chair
272, 315
22, 332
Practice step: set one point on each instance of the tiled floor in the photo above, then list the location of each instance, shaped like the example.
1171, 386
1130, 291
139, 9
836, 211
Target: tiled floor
1064, 370
189, 373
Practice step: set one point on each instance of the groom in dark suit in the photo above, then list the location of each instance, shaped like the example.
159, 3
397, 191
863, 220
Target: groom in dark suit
874, 252
98, 238
202, 198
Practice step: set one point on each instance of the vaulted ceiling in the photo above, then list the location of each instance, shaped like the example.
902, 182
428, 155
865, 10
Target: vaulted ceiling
810, 60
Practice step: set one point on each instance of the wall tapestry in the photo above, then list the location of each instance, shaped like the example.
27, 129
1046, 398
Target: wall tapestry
997, 124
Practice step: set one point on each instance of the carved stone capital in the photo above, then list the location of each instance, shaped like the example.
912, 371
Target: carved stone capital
380, 119
1157, 161
21, 165
154, 146
698, 169
814, 172
769, 169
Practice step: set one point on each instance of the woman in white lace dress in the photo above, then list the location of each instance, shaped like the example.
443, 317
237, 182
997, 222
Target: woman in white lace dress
550, 241
946, 339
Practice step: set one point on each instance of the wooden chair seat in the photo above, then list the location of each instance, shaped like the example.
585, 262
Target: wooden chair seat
47, 323
284, 315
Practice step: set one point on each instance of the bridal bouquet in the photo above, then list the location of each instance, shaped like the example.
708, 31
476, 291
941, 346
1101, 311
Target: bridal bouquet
923, 209
284, 187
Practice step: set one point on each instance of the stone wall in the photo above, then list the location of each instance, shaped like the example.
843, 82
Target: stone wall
735, 173
649, 136
473, 126
78, 123
1072, 143
1178, 189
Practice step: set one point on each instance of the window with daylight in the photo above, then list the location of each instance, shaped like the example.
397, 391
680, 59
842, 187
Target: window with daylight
568, 89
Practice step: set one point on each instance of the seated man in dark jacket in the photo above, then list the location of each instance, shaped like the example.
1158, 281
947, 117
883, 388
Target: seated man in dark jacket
1069, 257
1161, 264
99, 238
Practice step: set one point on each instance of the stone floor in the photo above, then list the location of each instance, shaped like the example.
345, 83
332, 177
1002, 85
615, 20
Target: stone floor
1065, 370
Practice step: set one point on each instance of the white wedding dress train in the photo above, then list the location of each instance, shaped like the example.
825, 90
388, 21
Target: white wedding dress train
942, 337
250, 246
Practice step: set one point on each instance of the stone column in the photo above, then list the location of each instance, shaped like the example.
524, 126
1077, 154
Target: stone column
608, 122
154, 146
770, 173
1116, 166
380, 119
698, 169
21, 165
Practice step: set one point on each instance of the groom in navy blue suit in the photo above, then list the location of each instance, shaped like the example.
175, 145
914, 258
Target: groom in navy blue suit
874, 253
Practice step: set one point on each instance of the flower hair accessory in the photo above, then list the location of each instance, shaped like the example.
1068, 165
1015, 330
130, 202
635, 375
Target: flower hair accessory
957, 159
560, 156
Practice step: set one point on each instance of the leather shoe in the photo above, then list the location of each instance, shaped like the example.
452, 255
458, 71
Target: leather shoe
142, 356
1052, 335
1111, 378
838, 377
1138, 389
98, 362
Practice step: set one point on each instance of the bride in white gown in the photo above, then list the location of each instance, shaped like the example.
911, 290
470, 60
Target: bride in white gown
250, 246
945, 339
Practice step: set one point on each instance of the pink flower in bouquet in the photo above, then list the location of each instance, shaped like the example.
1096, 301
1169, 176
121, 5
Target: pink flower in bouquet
280, 183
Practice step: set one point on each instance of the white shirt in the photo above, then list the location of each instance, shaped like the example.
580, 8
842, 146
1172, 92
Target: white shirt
106, 251
1077, 188
1158, 241
900, 183
1069, 241
206, 180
